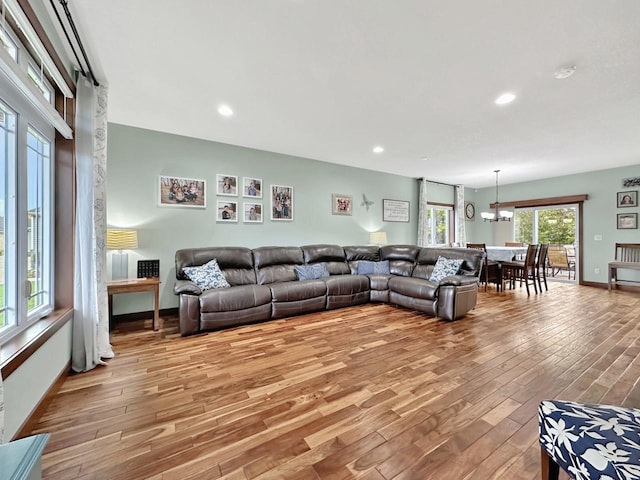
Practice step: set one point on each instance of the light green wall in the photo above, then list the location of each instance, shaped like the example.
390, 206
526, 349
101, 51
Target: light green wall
599, 212
136, 157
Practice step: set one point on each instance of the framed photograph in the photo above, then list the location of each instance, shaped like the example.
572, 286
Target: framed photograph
227, 211
252, 212
281, 203
627, 221
252, 187
631, 182
181, 192
395, 210
341, 204
227, 185
628, 199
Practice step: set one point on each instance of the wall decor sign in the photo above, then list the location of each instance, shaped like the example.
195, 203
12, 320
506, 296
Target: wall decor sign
227, 211
395, 210
252, 187
181, 192
627, 221
469, 211
628, 199
281, 203
631, 182
252, 212
341, 204
227, 185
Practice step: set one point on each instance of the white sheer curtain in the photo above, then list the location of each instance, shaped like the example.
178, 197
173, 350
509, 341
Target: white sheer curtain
91, 316
422, 213
460, 235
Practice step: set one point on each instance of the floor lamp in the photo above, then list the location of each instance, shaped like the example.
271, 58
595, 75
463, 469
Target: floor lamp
121, 240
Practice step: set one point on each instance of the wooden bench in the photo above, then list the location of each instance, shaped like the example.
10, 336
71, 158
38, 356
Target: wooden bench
627, 257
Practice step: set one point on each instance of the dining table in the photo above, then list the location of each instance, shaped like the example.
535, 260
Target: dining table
504, 254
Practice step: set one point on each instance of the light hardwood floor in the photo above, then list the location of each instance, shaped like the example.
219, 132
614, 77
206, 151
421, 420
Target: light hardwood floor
372, 392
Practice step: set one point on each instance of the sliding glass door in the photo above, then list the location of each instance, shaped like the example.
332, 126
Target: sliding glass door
557, 226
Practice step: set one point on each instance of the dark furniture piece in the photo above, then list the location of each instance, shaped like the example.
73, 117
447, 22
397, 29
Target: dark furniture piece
627, 256
264, 284
522, 271
491, 270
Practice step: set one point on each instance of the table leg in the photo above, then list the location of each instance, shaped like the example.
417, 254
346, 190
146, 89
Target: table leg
156, 308
110, 312
612, 272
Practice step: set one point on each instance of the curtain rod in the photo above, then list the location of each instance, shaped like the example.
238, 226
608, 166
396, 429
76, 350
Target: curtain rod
78, 40
439, 183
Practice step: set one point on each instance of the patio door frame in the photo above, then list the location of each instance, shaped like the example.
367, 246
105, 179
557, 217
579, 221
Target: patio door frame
577, 200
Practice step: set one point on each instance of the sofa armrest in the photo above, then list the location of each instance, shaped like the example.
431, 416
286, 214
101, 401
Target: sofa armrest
458, 280
186, 286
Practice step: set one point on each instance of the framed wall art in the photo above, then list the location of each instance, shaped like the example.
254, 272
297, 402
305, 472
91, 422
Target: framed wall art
252, 212
252, 187
341, 204
227, 211
627, 221
281, 203
628, 199
395, 210
227, 185
181, 192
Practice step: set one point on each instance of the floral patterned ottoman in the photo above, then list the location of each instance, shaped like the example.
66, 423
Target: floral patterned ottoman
589, 442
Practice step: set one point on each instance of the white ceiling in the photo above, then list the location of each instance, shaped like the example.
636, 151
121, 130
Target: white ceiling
330, 79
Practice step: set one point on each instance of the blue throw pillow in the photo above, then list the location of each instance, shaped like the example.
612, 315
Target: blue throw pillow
311, 272
367, 267
445, 267
207, 276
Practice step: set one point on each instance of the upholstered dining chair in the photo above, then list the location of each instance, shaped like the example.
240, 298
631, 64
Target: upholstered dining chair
491, 268
522, 271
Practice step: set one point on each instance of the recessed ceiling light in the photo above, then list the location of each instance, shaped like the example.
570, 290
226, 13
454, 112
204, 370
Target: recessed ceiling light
378, 149
505, 98
225, 110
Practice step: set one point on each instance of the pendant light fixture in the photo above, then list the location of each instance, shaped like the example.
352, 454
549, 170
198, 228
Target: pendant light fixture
499, 215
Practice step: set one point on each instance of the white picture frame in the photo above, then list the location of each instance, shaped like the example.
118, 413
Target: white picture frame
227, 211
253, 212
395, 210
251, 187
226, 185
281, 203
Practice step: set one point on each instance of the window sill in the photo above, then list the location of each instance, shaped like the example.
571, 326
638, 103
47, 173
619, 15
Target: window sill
17, 350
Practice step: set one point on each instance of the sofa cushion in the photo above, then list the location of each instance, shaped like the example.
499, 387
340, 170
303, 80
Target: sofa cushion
414, 287
331, 255
207, 276
346, 284
236, 298
366, 267
311, 272
445, 267
401, 258
298, 290
236, 263
276, 264
379, 282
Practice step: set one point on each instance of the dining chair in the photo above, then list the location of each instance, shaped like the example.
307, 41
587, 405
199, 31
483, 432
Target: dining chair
513, 244
559, 260
522, 271
491, 268
541, 266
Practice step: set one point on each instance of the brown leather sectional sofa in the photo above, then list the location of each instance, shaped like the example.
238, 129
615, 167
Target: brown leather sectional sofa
264, 284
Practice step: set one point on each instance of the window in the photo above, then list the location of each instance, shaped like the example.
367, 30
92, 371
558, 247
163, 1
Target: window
41, 82
439, 222
26, 200
9, 44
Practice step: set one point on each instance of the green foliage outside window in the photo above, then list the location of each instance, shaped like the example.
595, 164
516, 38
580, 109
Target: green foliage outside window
555, 226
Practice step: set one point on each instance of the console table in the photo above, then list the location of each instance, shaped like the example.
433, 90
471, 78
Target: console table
135, 285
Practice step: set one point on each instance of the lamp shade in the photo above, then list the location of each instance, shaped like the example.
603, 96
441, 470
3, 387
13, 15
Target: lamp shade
122, 239
378, 238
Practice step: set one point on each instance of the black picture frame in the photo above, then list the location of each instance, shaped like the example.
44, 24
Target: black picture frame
627, 221
627, 199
